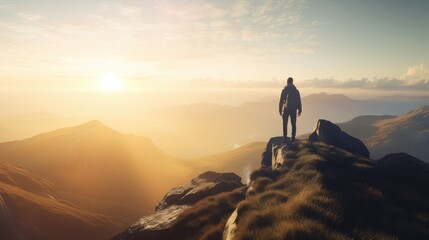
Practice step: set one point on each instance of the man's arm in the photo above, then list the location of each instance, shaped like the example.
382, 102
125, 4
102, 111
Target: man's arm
282, 98
299, 105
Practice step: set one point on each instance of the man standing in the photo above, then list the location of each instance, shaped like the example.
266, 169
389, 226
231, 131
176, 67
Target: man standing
290, 104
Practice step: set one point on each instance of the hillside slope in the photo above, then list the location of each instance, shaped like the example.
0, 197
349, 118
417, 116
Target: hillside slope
123, 176
29, 210
408, 133
100, 169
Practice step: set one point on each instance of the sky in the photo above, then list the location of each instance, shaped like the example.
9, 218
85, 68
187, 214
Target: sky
133, 46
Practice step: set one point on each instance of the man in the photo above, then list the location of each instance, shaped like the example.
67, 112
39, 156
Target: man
290, 104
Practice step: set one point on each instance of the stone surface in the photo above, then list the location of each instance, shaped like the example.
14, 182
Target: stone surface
206, 184
331, 134
155, 226
268, 153
230, 227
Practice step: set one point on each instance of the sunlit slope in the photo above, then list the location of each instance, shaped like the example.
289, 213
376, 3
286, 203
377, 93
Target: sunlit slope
99, 168
29, 209
408, 133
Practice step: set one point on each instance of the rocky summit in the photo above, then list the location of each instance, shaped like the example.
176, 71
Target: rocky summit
319, 191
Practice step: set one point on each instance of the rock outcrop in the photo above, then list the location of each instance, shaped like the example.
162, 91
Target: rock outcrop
270, 149
155, 226
206, 184
176, 201
331, 134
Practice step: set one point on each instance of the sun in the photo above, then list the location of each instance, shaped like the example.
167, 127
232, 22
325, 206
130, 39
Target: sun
110, 83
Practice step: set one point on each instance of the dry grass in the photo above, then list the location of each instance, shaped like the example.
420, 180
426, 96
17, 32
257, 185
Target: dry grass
207, 218
327, 193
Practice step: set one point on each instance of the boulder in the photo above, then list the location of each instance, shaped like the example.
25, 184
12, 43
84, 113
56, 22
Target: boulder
205, 185
153, 227
331, 134
267, 155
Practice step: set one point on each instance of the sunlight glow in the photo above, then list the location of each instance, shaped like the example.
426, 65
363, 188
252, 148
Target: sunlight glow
110, 83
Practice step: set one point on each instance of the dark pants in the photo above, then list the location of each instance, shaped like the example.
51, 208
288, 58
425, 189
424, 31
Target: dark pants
286, 114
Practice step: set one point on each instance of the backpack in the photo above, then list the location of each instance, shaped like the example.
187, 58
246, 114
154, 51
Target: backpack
292, 100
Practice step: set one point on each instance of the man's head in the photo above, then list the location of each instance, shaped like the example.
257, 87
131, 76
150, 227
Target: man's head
289, 80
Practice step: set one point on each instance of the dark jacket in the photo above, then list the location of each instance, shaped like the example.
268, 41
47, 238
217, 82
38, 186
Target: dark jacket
290, 99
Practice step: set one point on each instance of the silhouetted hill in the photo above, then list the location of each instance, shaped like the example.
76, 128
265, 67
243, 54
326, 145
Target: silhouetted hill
100, 169
29, 209
384, 134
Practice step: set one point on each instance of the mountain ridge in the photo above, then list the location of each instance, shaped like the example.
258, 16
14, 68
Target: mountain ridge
30, 209
408, 132
90, 163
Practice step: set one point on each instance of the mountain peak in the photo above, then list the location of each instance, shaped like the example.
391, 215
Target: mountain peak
93, 123
422, 109
324, 95
91, 126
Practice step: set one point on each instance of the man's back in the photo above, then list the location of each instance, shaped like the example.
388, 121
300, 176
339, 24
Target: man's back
290, 98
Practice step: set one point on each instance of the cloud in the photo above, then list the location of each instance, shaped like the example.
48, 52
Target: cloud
360, 83
366, 83
417, 72
130, 11
187, 39
5, 4
29, 16
240, 9
415, 78
222, 83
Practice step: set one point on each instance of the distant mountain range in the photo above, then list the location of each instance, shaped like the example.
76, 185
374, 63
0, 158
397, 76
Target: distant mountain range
179, 130
203, 129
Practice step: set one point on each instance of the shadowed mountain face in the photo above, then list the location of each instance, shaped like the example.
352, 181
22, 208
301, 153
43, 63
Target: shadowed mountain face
100, 169
385, 134
29, 209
